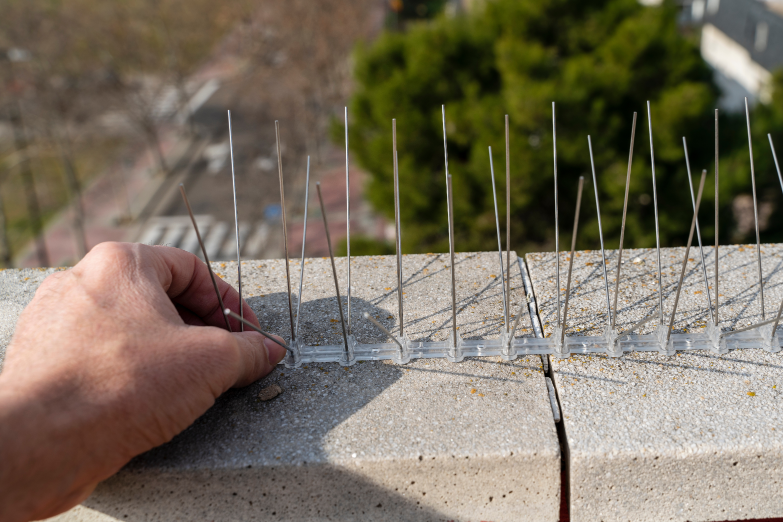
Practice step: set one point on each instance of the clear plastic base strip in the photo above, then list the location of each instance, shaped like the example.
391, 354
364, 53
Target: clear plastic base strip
707, 340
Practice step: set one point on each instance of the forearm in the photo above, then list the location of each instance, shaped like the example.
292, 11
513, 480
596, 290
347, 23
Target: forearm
45, 460
20, 450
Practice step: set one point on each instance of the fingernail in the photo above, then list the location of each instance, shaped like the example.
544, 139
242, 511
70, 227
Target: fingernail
274, 351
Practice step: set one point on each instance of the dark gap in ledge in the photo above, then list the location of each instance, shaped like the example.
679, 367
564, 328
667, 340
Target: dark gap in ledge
565, 496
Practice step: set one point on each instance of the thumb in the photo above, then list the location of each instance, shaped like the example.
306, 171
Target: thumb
258, 356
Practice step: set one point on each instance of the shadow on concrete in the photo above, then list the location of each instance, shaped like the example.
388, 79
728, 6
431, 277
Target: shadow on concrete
245, 459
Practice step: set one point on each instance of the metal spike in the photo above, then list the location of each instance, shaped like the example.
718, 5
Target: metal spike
657, 232
383, 329
687, 252
622, 227
751, 327
304, 240
450, 212
348, 219
698, 232
775, 157
446, 160
334, 268
451, 253
398, 236
500, 248
780, 178
755, 211
204, 251
571, 259
236, 221
508, 224
639, 324
229, 313
777, 320
600, 232
717, 257
285, 232
557, 217
516, 323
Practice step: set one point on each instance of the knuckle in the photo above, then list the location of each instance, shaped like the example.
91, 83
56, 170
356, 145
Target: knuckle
113, 251
107, 260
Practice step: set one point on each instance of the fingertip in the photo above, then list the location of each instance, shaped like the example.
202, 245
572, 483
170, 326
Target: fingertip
275, 352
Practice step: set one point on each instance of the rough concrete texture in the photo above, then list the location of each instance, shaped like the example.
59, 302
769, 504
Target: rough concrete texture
690, 437
429, 440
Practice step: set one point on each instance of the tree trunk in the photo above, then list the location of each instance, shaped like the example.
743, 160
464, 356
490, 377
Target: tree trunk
33, 206
5, 247
80, 236
154, 141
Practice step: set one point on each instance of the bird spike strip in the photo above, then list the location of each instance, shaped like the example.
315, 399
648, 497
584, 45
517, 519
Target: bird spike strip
507, 346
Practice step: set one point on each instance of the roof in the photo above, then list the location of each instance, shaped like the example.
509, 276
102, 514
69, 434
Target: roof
751, 24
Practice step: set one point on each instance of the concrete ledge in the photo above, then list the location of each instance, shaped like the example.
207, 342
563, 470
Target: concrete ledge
691, 437
429, 440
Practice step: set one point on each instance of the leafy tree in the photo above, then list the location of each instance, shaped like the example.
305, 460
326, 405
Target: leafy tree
735, 165
599, 60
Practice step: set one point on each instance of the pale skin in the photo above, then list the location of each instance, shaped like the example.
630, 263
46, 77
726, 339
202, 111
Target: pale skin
110, 359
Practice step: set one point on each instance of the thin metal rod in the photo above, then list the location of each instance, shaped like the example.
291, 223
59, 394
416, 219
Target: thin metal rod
383, 329
751, 327
571, 258
508, 223
775, 157
687, 253
500, 248
655, 206
451, 253
236, 221
777, 320
698, 232
334, 269
622, 227
348, 219
449, 211
717, 292
228, 313
600, 232
204, 251
640, 324
516, 322
398, 236
285, 232
446, 160
755, 210
780, 178
557, 217
304, 240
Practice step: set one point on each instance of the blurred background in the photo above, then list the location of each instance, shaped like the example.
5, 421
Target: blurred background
105, 107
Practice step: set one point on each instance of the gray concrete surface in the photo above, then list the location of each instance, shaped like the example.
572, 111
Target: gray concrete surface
690, 437
426, 441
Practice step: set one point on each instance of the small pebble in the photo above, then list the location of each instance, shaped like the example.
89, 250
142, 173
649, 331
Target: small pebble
270, 392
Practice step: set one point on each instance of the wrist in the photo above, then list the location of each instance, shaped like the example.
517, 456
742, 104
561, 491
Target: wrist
45, 447
19, 448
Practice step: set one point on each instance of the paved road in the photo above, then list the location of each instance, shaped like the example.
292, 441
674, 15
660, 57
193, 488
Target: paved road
207, 178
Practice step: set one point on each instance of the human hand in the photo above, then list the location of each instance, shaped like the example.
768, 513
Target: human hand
110, 359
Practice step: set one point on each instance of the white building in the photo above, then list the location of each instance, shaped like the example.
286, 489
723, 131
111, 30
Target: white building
742, 40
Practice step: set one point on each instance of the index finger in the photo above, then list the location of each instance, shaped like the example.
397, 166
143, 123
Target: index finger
187, 282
